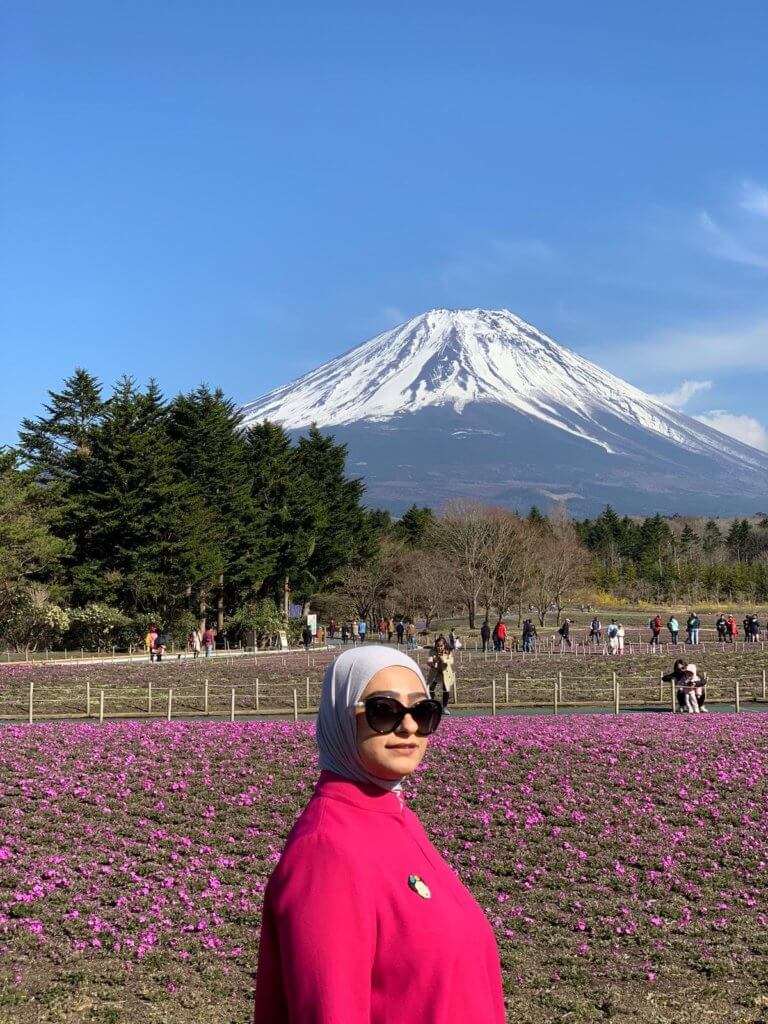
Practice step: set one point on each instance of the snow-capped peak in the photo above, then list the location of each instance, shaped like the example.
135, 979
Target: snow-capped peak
453, 357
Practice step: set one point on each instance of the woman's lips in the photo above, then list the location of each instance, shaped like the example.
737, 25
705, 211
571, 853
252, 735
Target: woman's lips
404, 748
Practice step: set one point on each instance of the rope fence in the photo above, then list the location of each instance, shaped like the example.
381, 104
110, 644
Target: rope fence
280, 698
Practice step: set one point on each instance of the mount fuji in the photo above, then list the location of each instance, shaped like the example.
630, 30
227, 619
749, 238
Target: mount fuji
479, 404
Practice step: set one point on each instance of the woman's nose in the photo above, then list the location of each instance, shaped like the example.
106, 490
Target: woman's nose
408, 726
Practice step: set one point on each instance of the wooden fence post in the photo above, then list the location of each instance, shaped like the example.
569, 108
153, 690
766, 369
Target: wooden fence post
506, 688
560, 687
101, 707
738, 698
616, 706
149, 697
456, 692
763, 684
257, 693
170, 704
295, 705
31, 696
661, 686
307, 693
88, 698
674, 695
232, 708
493, 696
555, 696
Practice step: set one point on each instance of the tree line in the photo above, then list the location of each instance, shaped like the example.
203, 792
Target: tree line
469, 559
122, 508
688, 559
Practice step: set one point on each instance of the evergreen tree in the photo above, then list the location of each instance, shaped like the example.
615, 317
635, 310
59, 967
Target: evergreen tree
292, 510
738, 539
379, 522
141, 532
344, 537
55, 446
536, 517
414, 524
688, 542
28, 549
213, 456
712, 538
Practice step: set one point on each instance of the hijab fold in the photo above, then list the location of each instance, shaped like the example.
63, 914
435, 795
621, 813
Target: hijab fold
343, 686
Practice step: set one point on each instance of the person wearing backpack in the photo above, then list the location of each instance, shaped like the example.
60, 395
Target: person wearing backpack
529, 637
613, 637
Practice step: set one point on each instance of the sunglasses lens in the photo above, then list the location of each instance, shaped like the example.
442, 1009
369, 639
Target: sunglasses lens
427, 714
382, 714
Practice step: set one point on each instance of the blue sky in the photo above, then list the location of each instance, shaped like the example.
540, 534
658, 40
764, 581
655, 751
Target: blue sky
236, 191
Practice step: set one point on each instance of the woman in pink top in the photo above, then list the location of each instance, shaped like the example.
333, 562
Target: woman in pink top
364, 922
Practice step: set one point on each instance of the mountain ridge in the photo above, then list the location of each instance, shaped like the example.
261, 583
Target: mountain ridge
485, 374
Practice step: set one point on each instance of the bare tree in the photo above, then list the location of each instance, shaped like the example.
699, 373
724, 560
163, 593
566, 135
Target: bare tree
426, 585
461, 534
507, 569
368, 586
560, 566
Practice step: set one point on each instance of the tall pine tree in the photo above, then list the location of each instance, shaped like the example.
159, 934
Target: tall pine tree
292, 508
213, 456
344, 534
141, 531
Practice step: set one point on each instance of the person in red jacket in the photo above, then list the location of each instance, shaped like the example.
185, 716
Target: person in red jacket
364, 922
501, 633
655, 625
733, 629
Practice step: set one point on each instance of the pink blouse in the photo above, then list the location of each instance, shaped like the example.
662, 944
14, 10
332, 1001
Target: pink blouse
365, 923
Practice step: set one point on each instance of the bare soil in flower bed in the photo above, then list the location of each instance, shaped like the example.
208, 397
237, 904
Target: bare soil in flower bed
621, 861
267, 685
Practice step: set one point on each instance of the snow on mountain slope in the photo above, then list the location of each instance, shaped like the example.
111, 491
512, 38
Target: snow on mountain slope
451, 358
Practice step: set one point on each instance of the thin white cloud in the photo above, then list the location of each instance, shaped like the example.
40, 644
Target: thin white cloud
754, 198
725, 245
393, 316
726, 348
743, 428
681, 396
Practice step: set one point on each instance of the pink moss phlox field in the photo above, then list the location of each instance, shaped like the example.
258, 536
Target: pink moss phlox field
618, 855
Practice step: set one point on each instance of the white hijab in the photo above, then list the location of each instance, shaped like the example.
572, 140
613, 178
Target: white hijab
343, 686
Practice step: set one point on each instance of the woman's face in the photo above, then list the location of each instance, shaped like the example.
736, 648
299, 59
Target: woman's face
440, 646
400, 752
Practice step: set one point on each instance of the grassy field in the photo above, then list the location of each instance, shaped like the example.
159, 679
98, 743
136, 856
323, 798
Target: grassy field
621, 861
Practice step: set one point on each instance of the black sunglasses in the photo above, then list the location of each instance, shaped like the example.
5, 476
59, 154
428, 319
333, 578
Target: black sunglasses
385, 714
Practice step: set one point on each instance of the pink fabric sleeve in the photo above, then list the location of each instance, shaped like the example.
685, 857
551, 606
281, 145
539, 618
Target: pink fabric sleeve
323, 922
